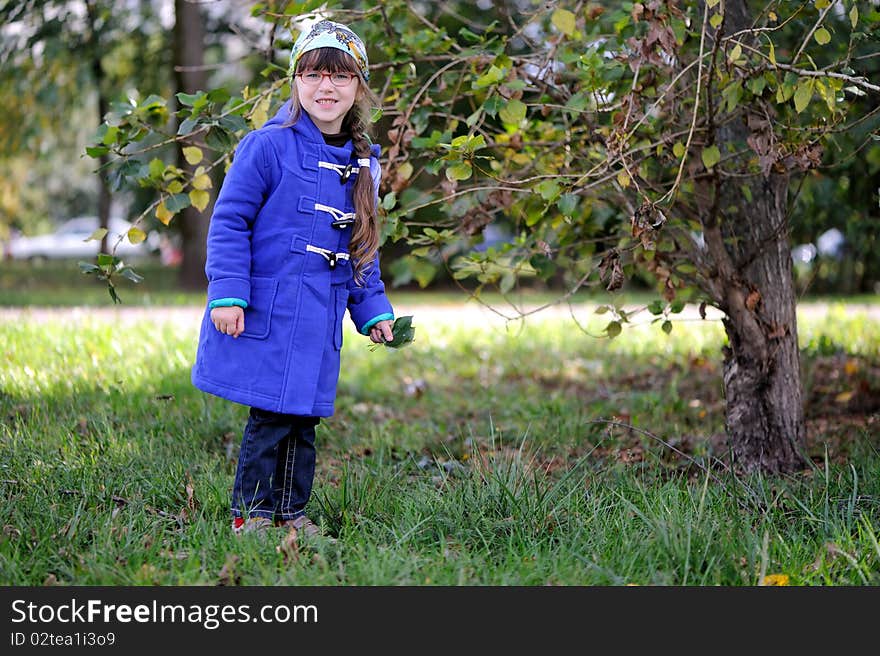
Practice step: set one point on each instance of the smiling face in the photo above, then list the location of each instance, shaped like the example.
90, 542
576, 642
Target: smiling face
326, 103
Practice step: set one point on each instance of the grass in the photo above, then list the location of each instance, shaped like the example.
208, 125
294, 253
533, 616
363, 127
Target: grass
478, 455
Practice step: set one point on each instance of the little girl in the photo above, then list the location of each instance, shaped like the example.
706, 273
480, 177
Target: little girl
293, 242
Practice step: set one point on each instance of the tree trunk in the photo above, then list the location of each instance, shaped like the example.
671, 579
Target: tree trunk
104, 195
762, 384
190, 77
747, 238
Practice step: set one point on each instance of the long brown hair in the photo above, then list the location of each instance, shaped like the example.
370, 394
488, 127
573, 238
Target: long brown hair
365, 234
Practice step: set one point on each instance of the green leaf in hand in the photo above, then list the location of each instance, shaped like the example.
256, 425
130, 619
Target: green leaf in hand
403, 331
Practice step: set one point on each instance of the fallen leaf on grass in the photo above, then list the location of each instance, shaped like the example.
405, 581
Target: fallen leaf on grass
289, 546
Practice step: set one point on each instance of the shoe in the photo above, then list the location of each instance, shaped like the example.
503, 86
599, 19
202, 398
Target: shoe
302, 524
251, 525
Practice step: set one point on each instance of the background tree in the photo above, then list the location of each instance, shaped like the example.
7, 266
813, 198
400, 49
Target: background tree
61, 60
190, 77
664, 137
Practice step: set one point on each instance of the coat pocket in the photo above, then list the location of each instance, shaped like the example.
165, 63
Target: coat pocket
340, 302
258, 315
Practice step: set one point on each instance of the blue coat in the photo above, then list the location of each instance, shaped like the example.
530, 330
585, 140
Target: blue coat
271, 243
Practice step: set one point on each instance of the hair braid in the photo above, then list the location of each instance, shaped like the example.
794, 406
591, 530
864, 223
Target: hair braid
365, 234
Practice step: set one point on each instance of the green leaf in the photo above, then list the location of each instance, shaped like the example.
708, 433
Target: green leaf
459, 171
403, 331
676, 306
97, 235
803, 95
389, 201
490, 77
128, 273
567, 204
656, 307
678, 150
732, 93
177, 202
513, 112
716, 20
711, 156
96, 151
549, 189
821, 4
218, 139
564, 21
189, 99
507, 282
667, 326
756, 85
822, 36
854, 16
613, 329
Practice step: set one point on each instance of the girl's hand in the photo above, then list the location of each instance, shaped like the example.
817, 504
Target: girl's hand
381, 332
229, 320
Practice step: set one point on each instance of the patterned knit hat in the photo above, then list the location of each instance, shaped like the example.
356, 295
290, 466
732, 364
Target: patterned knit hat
327, 34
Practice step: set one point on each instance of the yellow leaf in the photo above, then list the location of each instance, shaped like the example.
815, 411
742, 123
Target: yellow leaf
260, 113
822, 36
564, 21
803, 95
821, 4
736, 52
405, 171
712, 3
136, 235
775, 579
175, 187
623, 179
163, 214
851, 367
199, 199
202, 182
844, 397
854, 16
192, 154
772, 55
97, 235
716, 20
772, 16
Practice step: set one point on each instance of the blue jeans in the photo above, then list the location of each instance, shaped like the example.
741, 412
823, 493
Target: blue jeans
276, 466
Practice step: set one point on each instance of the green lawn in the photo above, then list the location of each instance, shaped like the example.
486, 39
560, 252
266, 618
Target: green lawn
477, 455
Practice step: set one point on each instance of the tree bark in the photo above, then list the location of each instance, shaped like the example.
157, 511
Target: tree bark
190, 77
104, 196
747, 239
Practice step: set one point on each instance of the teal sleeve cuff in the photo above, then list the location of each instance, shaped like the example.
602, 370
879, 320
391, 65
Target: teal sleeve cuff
387, 316
227, 302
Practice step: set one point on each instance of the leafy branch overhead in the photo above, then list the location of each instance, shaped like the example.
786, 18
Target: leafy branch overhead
579, 128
